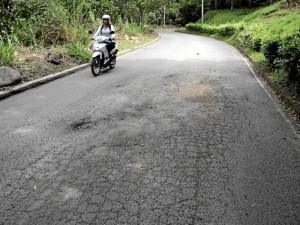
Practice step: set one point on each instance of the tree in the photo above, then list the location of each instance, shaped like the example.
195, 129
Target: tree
6, 16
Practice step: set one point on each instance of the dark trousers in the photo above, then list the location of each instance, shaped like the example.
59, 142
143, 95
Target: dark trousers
110, 46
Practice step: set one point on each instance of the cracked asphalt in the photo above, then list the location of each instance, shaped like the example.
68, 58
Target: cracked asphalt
180, 132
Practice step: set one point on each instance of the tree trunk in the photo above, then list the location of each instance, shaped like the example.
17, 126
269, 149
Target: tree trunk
232, 4
216, 4
141, 12
250, 3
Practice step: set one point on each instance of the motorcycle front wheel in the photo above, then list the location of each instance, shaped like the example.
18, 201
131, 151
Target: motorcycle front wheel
96, 66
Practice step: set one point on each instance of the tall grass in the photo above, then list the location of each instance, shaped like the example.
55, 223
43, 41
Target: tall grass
7, 51
126, 27
78, 51
61, 23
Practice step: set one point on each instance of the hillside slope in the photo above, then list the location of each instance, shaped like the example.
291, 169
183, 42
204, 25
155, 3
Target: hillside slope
271, 35
275, 19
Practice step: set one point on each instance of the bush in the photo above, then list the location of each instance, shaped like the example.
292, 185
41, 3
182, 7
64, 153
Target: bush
256, 43
252, 36
223, 30
289, 56
270, 50
284, 54
226, 30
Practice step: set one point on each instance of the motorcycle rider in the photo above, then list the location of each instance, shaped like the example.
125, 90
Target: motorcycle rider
106, 30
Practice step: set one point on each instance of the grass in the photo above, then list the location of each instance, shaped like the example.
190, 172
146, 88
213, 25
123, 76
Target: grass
130, 44
7, 52
274, 19
79, 52
217, 17
259, 25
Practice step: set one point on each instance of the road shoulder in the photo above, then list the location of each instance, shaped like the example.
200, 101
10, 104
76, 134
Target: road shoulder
35, 83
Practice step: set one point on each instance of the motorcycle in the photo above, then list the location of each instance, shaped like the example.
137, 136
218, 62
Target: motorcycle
101, 58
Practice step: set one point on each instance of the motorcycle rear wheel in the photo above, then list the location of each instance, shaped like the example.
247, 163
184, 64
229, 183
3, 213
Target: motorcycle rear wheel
96, 66
113, 64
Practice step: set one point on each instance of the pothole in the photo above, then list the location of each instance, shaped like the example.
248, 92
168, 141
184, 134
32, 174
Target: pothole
82, 124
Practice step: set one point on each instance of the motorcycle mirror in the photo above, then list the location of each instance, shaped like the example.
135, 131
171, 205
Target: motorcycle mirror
112, 32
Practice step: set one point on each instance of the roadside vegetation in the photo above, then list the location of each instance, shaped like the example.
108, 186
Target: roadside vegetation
34, 31
65, 26
271, 35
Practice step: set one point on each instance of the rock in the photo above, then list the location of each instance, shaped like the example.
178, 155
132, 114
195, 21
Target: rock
54, 58
9, 76
136, 39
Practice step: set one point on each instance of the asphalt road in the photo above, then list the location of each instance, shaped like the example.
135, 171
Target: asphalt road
180, 132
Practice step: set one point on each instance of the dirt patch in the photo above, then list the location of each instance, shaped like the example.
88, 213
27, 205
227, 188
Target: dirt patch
32, 65
202, 92
197, 91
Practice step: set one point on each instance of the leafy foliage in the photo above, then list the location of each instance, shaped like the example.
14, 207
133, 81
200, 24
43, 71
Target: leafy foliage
289, 57
270, 49
223, 30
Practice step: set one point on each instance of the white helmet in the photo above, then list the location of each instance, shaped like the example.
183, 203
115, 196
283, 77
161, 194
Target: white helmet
106, 17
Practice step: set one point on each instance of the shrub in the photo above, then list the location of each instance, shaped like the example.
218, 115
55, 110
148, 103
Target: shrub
284, 54
256, 43
252, 36
223, 30
270, 50
289, 56
226, 30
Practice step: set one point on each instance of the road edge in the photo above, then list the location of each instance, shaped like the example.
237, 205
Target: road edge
43, 80
265, 82
269, 90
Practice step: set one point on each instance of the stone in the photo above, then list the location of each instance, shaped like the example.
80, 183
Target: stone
135, 39
9, 76
54, 58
